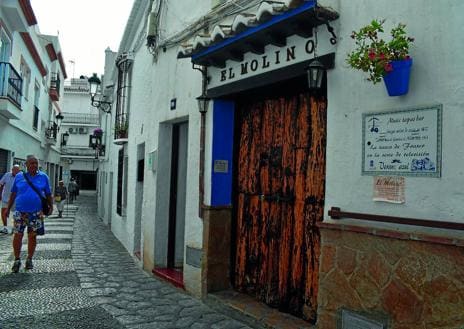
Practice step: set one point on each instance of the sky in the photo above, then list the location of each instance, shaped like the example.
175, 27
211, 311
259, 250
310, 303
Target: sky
85, 29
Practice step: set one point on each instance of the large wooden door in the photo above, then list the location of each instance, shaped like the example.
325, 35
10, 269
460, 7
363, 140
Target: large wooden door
280, 198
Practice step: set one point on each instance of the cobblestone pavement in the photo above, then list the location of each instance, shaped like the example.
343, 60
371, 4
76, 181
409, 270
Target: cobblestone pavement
84, 278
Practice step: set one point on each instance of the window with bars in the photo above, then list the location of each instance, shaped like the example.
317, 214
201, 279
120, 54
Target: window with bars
121, 124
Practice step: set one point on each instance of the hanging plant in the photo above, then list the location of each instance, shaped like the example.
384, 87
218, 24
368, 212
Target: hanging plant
98, 132
377, 57
120, 129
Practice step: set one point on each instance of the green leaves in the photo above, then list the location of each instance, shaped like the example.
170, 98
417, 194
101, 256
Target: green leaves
373, 54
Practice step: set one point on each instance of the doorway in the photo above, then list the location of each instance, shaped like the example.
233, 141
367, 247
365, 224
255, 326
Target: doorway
86, 180
279, 198
170, 201
139, 201
177, 196
109, 203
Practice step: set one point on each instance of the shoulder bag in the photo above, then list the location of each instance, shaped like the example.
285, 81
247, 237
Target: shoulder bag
45, 207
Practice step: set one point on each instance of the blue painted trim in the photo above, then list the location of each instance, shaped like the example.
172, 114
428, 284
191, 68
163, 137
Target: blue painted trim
222, 149
276, 19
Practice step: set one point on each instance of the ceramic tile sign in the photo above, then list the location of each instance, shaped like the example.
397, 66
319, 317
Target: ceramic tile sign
389, 189
403, 143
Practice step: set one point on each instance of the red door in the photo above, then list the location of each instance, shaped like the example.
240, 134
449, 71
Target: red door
280, 197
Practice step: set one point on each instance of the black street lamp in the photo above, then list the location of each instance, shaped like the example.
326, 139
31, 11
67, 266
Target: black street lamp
95, 83
64, 138
203, 102
59, 119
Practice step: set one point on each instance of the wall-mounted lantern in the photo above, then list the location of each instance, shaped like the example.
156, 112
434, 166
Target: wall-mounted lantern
203, 103
100, 104
315, 72
59, 119
64, 139
95, 142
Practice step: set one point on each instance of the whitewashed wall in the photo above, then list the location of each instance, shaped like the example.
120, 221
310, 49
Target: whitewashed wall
154, 84
175, 78
78, 103
140, 97
436, 78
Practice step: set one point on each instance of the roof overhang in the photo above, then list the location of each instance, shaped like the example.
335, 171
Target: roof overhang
28, 12
34, 53
51, 52
63, 67
276, 28
14, 15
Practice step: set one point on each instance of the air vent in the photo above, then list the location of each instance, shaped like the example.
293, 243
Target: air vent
83, 130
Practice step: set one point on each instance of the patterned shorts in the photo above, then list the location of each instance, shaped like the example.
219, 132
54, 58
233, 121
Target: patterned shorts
32, 220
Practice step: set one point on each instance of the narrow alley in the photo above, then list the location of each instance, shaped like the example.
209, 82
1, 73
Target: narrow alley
84, 278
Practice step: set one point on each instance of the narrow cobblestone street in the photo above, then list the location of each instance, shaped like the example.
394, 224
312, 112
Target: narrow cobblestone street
84, 278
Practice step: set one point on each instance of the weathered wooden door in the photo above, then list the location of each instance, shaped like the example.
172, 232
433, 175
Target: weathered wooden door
280, 197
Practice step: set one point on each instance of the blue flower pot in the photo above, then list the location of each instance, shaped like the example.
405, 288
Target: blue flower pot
397, 81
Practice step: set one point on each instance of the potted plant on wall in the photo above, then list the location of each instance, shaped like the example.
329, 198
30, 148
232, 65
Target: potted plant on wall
120, 129
380, 59
98, 132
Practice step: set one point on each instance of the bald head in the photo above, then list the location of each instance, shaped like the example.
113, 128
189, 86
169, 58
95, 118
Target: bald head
15, 169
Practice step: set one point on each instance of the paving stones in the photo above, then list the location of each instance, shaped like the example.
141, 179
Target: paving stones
84, 278
29, 280
86, 318
42, 301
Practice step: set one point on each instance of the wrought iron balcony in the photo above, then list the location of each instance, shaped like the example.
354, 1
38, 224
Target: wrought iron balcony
51, 132
78, 151
11, 85
55, 84
81, 118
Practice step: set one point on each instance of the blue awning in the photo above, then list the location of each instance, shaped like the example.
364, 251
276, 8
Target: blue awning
270, 28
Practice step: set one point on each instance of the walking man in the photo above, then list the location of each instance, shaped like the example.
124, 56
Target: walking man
72, 189
60, 197
6, 183
25, 191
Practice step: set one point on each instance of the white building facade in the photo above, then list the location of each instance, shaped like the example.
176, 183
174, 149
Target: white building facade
32, 72
281, 192
79, 154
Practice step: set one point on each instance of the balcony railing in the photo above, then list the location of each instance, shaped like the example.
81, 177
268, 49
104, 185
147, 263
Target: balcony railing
80, 118
55, 84
77, 151
11, 83
51, 131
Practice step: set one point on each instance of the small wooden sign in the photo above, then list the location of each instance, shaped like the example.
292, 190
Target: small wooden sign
389, 189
